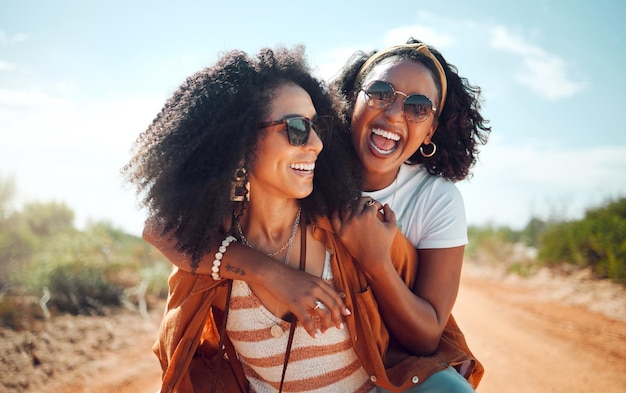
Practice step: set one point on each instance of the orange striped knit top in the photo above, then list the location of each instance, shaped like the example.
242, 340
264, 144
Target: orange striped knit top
324, 364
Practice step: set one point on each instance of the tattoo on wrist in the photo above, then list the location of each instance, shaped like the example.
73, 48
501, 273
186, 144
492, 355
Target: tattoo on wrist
234, 269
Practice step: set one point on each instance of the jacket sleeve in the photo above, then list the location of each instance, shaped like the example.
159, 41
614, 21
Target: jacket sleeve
187, 316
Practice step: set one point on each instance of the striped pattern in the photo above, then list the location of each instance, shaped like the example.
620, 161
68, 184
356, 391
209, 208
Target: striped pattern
325, 364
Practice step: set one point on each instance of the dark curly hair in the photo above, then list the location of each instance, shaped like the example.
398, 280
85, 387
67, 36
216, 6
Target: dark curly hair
461, 127
184, 163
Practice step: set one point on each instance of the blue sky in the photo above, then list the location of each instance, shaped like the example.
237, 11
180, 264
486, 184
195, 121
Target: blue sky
79, 81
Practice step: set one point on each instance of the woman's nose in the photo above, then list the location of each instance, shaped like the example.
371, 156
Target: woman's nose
314, 141
395, 110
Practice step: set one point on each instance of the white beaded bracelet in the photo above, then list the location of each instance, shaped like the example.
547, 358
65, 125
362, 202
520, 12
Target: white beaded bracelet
219, 255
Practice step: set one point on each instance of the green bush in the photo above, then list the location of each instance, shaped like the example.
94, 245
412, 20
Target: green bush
43, 256
598, 240
76, 267
531, 233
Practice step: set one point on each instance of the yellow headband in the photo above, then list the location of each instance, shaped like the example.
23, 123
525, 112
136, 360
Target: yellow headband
420, 48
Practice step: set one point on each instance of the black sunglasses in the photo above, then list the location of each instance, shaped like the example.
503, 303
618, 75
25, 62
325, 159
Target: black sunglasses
416, 107
299, 128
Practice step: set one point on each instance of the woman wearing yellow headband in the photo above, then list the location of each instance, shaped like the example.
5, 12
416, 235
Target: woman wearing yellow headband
416, 127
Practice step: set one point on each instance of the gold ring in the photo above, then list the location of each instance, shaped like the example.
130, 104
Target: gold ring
369, 203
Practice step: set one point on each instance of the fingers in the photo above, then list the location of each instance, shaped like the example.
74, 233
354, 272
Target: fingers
389, 214
327, 318
307, 321
319, 305
330, 309
372, 206
320, 300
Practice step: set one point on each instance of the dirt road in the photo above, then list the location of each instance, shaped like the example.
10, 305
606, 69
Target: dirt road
525, 333
529, 342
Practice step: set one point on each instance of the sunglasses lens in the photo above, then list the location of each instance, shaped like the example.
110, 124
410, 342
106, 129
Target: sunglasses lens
417, 107
298, 130
379, 94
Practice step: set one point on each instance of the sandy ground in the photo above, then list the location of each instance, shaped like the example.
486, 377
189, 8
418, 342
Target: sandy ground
540, 335
545, 334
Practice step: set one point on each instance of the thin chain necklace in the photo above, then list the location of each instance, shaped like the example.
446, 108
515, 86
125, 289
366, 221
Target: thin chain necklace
288, 244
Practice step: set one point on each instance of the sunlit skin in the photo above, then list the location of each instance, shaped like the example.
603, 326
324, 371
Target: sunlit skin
381, 168
284, 170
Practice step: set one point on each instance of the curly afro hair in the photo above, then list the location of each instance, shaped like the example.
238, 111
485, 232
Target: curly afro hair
461, 127
184, 163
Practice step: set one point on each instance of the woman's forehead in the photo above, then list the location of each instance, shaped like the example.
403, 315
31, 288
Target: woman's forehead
406, 75
289, 99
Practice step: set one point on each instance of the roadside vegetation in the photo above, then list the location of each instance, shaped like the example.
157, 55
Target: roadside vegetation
596, 241
49, 267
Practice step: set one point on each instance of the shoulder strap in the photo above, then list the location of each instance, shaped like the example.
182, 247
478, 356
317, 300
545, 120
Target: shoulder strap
222, 336
294, 320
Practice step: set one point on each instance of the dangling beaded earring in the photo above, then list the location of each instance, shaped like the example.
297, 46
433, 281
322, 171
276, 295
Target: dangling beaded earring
239, 186
432, 153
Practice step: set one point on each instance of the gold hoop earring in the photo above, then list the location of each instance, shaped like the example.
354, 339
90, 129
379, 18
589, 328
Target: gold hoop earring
432, 153
239, 186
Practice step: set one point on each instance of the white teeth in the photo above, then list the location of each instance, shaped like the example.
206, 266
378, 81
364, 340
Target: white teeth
303, 166
383, 151
386, 134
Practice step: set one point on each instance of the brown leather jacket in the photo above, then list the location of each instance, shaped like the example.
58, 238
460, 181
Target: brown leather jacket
188, 324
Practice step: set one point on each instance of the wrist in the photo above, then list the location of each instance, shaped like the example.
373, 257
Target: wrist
252, 266
217, 262
377, 269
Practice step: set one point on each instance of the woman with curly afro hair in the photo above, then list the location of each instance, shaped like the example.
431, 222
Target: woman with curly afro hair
243, 154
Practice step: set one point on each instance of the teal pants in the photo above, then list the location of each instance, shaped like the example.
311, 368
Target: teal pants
444, 381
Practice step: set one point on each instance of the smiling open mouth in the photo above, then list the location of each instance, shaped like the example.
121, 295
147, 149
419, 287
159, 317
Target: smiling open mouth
384, 142
303, 167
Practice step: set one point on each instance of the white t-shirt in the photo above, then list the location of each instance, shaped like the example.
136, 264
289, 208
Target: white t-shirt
429, 209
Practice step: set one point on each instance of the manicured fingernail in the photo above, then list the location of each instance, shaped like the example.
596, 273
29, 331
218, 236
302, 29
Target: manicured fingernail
348, 311
341, 326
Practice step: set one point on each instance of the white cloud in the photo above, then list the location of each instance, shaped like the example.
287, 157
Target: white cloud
70, 150
424, 33
329, 63
6, 66
6, 40
544, 73
32, 97
34, 117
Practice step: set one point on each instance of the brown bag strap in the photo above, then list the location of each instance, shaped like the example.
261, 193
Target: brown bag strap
222, 336
294, 320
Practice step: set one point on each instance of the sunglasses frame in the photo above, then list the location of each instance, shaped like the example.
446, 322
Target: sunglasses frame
387, 104
292, 136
